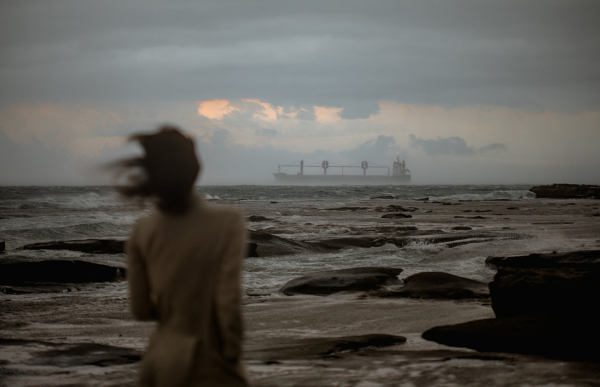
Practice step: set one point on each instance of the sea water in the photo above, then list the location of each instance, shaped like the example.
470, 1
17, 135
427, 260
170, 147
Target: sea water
38, 214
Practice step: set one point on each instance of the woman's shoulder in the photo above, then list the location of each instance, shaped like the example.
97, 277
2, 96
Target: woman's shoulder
224, 212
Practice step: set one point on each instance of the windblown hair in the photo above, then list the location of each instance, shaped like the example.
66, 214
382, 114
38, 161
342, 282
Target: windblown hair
166, 172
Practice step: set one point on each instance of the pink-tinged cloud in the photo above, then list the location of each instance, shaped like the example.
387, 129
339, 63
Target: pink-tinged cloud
215, 109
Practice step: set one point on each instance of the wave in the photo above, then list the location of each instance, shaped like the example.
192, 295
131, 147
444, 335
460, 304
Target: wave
494, 195
90, 200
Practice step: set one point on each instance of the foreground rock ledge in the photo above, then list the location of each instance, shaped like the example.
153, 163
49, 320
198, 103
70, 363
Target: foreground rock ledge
551, 336
333, 281
545, 304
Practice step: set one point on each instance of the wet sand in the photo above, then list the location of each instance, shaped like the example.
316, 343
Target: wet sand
46, 338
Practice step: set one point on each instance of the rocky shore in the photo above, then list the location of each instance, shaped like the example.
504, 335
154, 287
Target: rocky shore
534, 324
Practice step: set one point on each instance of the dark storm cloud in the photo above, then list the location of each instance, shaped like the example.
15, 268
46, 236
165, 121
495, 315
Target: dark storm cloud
493, 147
349, 54
442, 146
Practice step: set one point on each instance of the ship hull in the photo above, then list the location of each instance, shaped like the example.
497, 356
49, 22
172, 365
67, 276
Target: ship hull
284, 178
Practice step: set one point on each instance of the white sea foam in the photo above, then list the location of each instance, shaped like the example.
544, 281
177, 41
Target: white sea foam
494, 195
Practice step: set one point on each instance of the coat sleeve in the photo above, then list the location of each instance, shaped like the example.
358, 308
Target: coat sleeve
229, 290
137, 278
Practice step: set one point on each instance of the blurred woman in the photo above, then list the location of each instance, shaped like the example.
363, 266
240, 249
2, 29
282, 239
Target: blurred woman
184, 265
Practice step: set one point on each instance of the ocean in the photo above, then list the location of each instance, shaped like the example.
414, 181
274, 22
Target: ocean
38, 214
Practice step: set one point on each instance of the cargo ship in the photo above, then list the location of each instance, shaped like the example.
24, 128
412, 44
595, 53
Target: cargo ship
399, 174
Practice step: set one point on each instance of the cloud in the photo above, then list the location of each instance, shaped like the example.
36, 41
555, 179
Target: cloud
311, 53
359, 110
442, 146
493, 147
267, 132
304, 114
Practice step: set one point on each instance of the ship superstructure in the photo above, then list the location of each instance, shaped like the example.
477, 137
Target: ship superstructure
399, 173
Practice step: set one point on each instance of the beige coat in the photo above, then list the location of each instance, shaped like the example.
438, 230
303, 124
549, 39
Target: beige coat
184, 271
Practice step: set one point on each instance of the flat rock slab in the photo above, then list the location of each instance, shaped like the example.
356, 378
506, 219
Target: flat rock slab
333, 281
328, 346
70, 355
58, 271
97, 246
396, 215
257, 218
263, 244
566, 191
438, 285
555, 338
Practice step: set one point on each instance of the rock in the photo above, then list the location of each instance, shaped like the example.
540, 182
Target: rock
544, 305
438, 285
396, 208
58, 271
263, 244
559, 283
97, 246
72, 355
347, 208
327, 346
462, 228
566, 191
2, 246
483, 210
355, 279
396, 215
552, 337
388, 197
425, 199
257, 218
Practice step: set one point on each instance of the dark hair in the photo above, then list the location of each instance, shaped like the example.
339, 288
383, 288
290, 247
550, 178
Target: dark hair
167, 170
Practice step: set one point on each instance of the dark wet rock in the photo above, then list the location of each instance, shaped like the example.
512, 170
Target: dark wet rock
39, 289
327, 347
425, 199
564, 283
397, 208
438, 285
396, 215
347, 208
556, 337
468, 211
97, 246
544, 305
512, 208
58, 271
355, 279
257, 218
70, 355
263, 244
387, 197
2, 246
483, 210
462, 228
470, 217
566, 191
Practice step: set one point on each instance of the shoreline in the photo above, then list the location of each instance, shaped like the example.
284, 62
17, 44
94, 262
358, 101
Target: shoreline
283, 333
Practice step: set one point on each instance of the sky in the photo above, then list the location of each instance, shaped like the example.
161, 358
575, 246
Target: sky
466, 92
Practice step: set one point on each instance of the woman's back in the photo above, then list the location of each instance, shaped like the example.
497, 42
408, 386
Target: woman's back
185, 272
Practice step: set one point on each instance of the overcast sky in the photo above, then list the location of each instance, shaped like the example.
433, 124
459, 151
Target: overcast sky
464, 91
